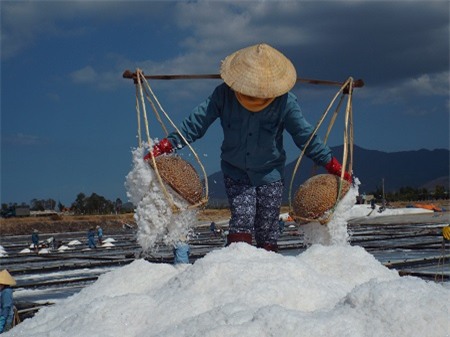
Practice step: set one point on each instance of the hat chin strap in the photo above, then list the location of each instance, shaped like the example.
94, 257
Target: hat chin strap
253, 104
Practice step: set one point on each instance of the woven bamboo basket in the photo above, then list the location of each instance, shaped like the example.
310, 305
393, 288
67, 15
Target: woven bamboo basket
180, 176
317, 196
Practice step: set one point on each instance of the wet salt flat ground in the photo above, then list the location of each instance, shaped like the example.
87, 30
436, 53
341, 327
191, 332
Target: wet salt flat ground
411, 244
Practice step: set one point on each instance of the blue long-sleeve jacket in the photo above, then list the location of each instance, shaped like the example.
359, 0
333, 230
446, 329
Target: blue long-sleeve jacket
35, 238
252, 141
6, 308
91, 238
91, 234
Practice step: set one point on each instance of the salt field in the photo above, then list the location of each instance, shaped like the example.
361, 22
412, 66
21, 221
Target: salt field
68, 275
366, 273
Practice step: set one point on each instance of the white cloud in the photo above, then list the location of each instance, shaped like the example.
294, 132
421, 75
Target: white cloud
209, 31
24, 23
16, 36
104, 80
423, 85
436, 84
84, 75
53, 96
213, 30
24, 139
223, 27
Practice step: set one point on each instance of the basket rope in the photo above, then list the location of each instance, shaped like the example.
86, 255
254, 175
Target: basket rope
346, 89
142, 86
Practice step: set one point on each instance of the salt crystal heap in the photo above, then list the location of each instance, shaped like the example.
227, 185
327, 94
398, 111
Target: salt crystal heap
335, 232
157, 222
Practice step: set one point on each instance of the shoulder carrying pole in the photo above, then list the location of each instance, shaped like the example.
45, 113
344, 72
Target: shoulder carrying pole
128, 74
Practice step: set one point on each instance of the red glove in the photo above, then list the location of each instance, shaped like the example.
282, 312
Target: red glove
334, 167
164, 146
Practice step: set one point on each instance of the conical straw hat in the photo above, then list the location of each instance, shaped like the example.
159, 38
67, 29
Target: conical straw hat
6, 278
259, 71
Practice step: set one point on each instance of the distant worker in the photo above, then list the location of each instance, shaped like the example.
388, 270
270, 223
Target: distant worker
383, 206
6, 301
181, 251
212, 228
281, 224
100, 235
224, 235
35, 239
91, 238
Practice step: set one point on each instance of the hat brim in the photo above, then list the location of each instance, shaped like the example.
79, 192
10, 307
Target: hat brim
6, 278
259, 71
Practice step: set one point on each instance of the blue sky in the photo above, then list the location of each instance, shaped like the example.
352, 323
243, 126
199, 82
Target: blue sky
68, 118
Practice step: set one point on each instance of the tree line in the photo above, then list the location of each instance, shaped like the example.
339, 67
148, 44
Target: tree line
413, 194
96, 204
83, 205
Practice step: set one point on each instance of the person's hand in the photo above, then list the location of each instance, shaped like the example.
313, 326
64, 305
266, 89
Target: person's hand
334, 167
164, 146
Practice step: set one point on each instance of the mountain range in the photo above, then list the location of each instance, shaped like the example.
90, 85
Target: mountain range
417, 169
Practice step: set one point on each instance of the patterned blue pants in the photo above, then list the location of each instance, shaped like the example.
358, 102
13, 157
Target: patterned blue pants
255, 209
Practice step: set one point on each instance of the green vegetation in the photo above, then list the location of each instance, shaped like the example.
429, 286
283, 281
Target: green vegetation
413, 194
83, 205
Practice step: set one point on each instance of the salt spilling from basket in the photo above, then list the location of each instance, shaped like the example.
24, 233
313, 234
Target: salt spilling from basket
157, 222
316, 198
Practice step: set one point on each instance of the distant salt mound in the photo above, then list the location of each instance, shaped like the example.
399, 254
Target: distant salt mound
74, 243
108, 244
44, 251
63, 248
361, 211
109, 240
25, 251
